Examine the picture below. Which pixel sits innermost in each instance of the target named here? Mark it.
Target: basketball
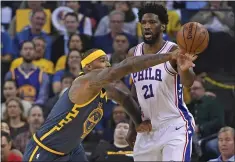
(192, 38)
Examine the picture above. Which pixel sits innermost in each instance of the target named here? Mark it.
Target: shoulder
(173, 46)
(131, 51)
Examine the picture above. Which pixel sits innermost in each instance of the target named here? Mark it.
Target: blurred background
(62, 30)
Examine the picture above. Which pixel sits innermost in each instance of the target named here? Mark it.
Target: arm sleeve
(44, 90)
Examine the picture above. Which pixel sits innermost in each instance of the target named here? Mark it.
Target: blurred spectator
(10, 90)
(105, 42)
(120, 48)
(35, 120)
(60, 46)
(130, 20)
(5, 127)
(31, 81)
(216, 20)
(6, 47)
(208, 114)
(73, 65)
(76, 42)
(38, 20)
(45, 65)
(6, 154)
(226, 145)
(118, 115)
(192, 5)
(33, 5)
(66, 82)
(84, 23)
(14, 116)
(118, 150)
(6, 53)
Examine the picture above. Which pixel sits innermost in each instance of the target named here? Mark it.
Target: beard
(153, 40)
(27, 60)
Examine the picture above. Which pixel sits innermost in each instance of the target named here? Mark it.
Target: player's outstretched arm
(129, 65)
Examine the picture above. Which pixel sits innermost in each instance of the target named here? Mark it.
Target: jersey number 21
(148, 91)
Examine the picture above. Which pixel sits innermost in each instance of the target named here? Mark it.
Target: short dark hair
(71, 14)
(156, 9)
(123, 121)
(38, 10)
(40, 38)
(27, 41)
(7, 135)
(67, 74)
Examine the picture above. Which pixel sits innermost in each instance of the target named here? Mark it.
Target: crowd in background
(40, 61)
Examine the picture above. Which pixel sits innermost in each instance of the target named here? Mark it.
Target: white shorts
(172, 142)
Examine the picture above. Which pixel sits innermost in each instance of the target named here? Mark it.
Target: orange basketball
(192, 38)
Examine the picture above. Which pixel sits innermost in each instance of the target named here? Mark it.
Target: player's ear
(88, 67)
(163, 27)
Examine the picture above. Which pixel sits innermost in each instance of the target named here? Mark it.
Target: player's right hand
(145, 126)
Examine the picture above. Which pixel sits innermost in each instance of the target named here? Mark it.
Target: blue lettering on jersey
(147, 74)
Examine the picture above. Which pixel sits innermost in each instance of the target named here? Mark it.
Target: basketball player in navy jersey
(80, 108)
(159, 93)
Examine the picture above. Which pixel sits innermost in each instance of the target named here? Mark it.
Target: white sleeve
(88, 26)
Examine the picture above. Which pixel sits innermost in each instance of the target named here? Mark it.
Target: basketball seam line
(193, 38)
(184, 39)
(201, 44)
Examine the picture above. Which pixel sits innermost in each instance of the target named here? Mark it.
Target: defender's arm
(186, 77)
(129, 65)
(124, 98)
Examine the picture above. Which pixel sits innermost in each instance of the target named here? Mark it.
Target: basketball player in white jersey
(159, 92)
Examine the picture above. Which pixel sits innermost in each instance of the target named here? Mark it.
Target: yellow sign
(23, 19)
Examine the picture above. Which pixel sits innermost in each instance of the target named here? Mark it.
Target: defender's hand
(185, 61)
(131, 137)
(145, 126)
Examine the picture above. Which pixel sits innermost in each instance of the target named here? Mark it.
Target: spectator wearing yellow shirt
(46, 65)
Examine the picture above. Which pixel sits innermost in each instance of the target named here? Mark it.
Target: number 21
(148, 91)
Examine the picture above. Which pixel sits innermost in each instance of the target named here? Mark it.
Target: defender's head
(153, 18)
(94, 59)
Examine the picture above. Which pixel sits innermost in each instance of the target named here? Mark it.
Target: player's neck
(154, 47)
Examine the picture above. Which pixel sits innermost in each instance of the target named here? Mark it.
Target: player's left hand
(145, 126)
(185, 61)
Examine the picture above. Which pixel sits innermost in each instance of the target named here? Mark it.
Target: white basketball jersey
(159, 91)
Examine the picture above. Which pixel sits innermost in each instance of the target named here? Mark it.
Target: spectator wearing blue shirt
(226, 145)
(6, 54)
(38, 20)
(116, 23)
(6, 47)
(32, 82)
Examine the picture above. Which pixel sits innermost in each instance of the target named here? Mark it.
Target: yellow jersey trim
(45, 147)
(34, 152)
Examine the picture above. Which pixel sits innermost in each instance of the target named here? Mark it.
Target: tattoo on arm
(129, 65)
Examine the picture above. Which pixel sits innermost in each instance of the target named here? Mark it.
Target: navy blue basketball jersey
(29, 84)
(68, 123)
